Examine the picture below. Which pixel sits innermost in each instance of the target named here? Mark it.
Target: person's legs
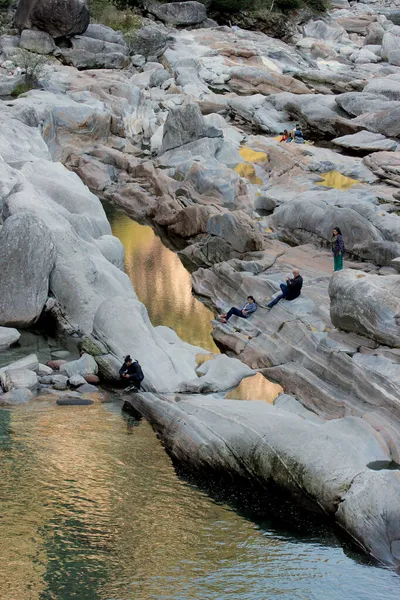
(234, 311)
(338, 262)
(133, 383)
(284, 289)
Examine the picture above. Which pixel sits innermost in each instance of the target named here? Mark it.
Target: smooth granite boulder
(316, 464)
(27, 256)
(57, 17)
(18, 378)
(238, 229)
(366, 141)
(85, 364)
(369, 232)
(150, 41)
(217, 375)
(123, 326)
(180, 13)
(16, 396)
(367, 304)
(37, 41)
(8, 337)
(186, 124)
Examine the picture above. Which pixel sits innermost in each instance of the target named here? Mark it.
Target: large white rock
(27, 255)
(366, 304)
(123, 325)
(8, 336)
(323, 465)
(366, 141)
(28, 362)
(18, 378)
(217, 375)
(85, 365)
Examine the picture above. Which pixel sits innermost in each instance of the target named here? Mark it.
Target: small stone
(60, 386)
(44, 370)
(46, 379)
(76, 381)
(16, 397)
(68, 401)
(55, 364)
(61, 354)
(89, 378)
(87, 388)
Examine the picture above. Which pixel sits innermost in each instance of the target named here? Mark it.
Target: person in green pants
(338, 249)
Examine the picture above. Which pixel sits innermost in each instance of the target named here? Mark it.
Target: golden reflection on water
(247, 170)
(162, 283)
(87, 507)
(336, 180)
(256, 387)
(92, 509)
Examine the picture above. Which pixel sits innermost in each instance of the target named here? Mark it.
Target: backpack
(139, 372)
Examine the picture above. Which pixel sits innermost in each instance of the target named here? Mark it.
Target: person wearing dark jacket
(247, 309)
(131, 372)
(338, 249)
(290, 290)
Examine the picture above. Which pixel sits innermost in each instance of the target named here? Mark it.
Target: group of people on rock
(291, 289)
(296, 135)
(131, 373)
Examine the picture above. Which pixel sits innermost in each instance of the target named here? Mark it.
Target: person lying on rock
(338, 249)
(290, 290)
(132, 373)
(247, 309)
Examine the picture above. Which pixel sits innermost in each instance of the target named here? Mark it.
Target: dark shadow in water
(269, 509)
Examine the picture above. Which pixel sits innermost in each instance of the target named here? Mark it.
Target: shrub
(32, 64)
(107, 13)
(21, 88)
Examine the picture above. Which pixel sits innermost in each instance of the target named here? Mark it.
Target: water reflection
(336, 180)
(256, 387)
(246, 169)
(162, 283)
(92, 509)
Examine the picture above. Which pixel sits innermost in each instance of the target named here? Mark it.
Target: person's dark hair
(298, 126)
(128, 359)
(338, 230)
(285, 131)
(251, 298)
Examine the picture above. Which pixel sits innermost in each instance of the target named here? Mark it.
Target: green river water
(92, 508)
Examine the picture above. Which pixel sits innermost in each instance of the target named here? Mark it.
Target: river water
(92, 508)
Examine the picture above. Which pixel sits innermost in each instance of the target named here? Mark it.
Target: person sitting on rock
(338, 249)
(132, 373)
(290, 290)
(285, 135)
(247, 309)
(297, 135)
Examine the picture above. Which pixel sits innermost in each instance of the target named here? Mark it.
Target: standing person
(132, 373)
(247, 309)
(338, 249)
(290, 290)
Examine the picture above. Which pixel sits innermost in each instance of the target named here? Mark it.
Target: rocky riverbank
(180, 130)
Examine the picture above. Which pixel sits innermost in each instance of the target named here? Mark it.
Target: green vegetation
(235, 6)
(113, 14)
(20, 89)
(32, 64)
